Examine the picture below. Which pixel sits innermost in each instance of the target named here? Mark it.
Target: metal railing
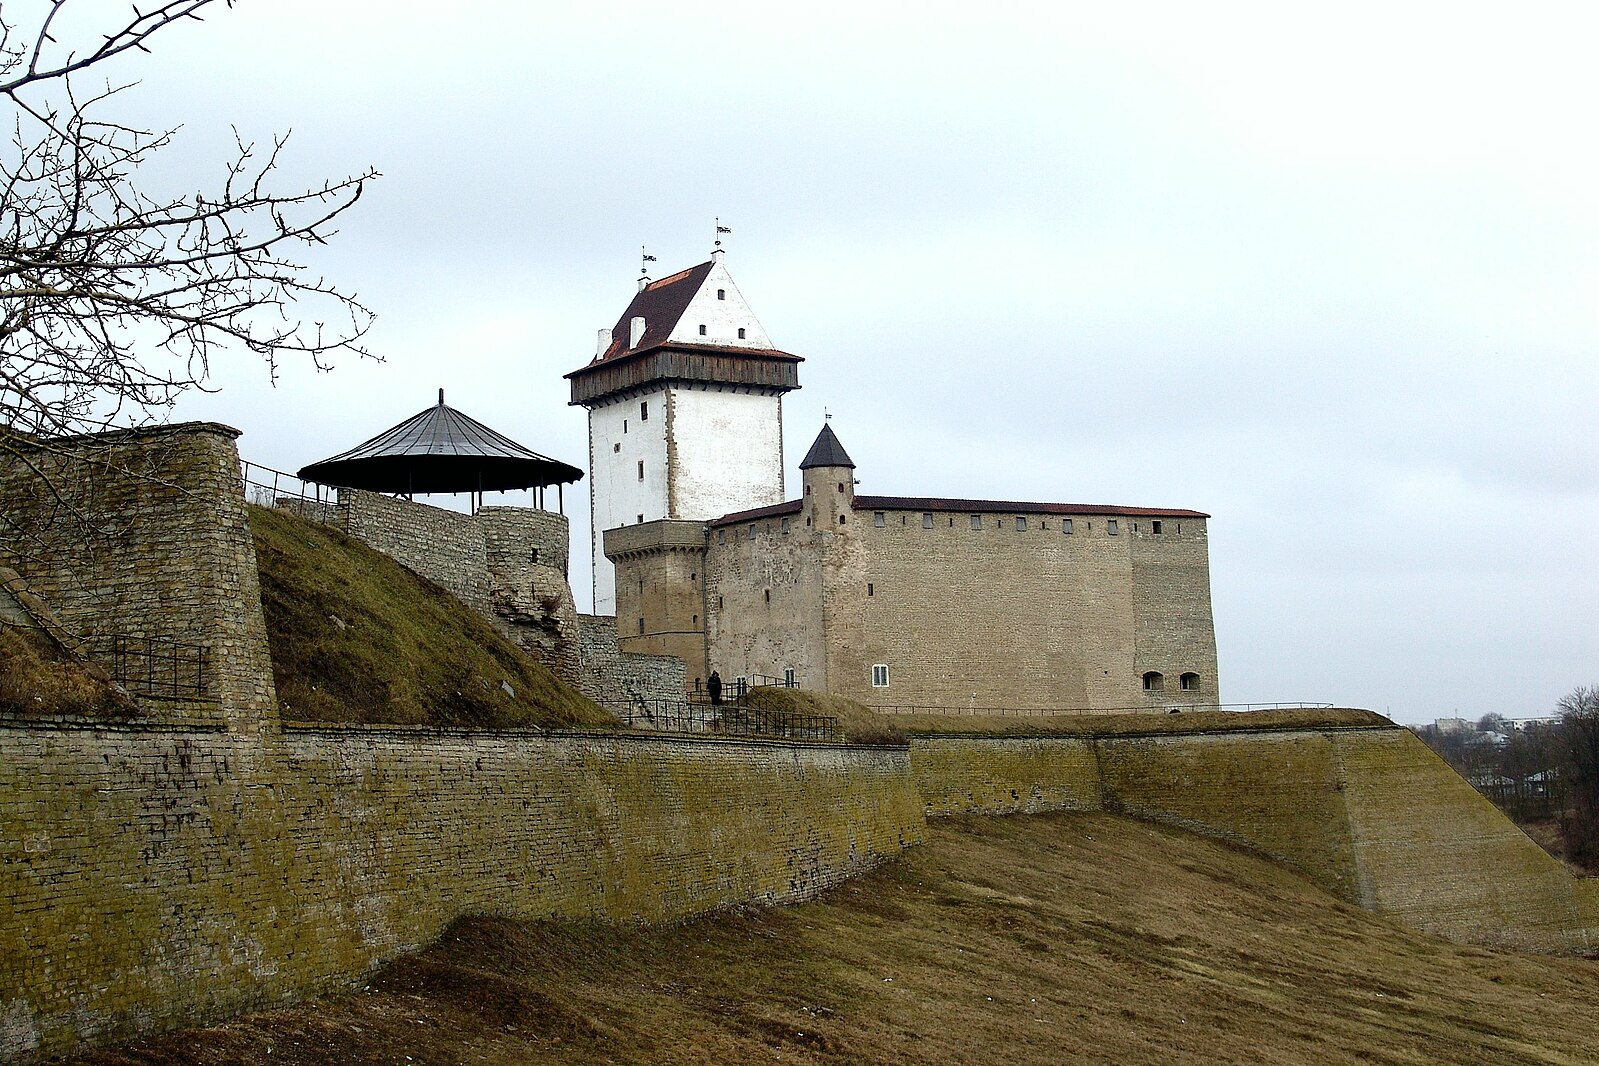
(965, 710)
(727, 719)
(267, 487)
(154, 666)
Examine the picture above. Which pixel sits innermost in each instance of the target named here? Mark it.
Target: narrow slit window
(644, 411)
(641, 470)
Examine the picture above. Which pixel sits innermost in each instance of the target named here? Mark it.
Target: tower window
(1065, 525)
(696, 621)
(616, 447)
(1153, 681)
(1111, 527)
(741, 333)
(977, 521)
(880, 675)
(788, 678)
(721, 294)
(752, 531)
(927, 520)
(869, 589)
(624, 425)
(641, 470)
(785, 525)
(878, 519)
(641, 626)
(1021, 522)
(641, 520)
(1155, 527)
(644, 411)
(768, 595)
(721, 536)
(702, 329)
(1189, 681)
(840, 519)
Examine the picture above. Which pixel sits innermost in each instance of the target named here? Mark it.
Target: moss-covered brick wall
(1369, 813)
(152, 876)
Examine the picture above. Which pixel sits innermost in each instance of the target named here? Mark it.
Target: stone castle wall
(143, 533)
(1371, 815)
(1014, 612)
(157, 876)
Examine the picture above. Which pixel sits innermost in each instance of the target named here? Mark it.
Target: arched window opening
(1189, 681)
(1154, 681)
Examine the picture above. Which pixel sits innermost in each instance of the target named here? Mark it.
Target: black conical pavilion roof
(827, 451)
(440, 450)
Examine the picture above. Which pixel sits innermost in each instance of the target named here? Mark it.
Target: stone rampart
(155, 876)
(1370, 814)
(143, 534)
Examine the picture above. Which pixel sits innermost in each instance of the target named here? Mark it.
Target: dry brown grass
(1044, 939)
(39, 681)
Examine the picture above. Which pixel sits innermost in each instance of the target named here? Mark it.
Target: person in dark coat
(714, 686)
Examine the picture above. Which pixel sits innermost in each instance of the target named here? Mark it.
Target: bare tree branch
(114, 299)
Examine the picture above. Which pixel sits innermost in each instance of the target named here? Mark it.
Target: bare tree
(1579, 748)
(113, 297)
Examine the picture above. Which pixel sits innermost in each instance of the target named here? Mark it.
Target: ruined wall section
(617, 679)
(143, 533)
(1173, 632)
(148, 879)
(526, 551)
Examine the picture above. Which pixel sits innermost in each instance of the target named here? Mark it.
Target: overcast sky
(1330, 278)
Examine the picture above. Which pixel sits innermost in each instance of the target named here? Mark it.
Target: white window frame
(879, 675)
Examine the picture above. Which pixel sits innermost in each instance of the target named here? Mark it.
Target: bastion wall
(1370, 814)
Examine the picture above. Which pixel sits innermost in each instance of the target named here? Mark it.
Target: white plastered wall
(618, 441)
(722, 318)
(728, 452)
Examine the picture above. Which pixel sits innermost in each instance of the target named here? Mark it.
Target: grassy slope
(1041, 939)
(407, 651)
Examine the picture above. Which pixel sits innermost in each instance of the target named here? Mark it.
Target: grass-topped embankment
(861, 724)
(39, 681)
(356, 637)
(1046, 939)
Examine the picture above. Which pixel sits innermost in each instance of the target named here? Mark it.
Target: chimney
(643, 282)
(635, 331)
(604, 343)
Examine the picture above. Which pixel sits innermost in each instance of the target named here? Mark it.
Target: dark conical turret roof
(440, 450)
(827, 451)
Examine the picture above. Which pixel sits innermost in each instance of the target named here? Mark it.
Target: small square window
(721, 294)
(879, 519)
(977, 521)
(641, 520)
(880, 675)
(927, 520)
(1111, 527)
(741, 333)
(1065, 525)
(1021, 522)
(1154, 527)
(702, 331)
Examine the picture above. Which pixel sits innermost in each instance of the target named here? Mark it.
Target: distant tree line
(1537, 771)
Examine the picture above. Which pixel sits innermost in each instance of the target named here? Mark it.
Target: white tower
(685, 402)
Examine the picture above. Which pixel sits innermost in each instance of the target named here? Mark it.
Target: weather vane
(720, 229)
(646, 258)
